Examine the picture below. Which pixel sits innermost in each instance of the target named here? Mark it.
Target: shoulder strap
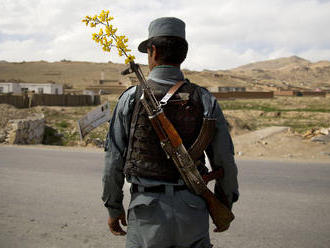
(171, 92)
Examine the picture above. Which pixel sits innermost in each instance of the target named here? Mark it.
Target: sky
(221, 34)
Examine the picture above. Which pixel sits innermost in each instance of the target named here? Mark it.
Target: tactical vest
(145, 157)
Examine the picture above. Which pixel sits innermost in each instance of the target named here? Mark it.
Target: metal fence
(246, 95)
(25, 101)
(17, 101)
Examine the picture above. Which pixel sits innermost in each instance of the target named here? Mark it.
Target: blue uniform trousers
(174, 219)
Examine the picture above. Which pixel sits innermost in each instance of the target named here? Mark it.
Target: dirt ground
(284, 146)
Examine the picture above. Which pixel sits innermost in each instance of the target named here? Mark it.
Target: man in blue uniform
(163, 213)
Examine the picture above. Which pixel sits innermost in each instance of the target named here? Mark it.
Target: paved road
(51, 198)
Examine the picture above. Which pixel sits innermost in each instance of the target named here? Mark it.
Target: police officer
(163, 213)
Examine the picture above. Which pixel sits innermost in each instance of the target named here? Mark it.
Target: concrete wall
(247, 95)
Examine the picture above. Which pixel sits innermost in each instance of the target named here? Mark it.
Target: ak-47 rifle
(171, 143)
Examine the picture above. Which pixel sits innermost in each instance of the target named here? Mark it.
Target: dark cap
(164, 26)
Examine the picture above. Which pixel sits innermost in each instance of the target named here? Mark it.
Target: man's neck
(162, 65)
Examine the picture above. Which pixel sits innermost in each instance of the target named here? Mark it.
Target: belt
(156, 189)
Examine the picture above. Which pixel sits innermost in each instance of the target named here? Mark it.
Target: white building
(8, 87)
(16, 88)
(226, 89)
(56, 89)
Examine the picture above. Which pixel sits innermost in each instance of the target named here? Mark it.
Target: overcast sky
(221, 34)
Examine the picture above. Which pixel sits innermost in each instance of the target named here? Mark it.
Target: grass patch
(62, 124)
(280, 104)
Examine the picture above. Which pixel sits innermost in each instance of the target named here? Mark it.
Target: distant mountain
(287, 73)
(275, 64)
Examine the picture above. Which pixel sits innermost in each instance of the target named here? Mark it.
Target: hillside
(291, 72)
(275, 64)
(283, 73)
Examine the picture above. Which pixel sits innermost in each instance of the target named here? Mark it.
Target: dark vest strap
(137, 106)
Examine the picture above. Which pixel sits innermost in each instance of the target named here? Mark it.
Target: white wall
(59, 88)
(5, 88)
(16, 88)
(46, 88)
(8, 87)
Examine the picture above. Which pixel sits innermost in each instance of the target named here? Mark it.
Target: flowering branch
(108, 38)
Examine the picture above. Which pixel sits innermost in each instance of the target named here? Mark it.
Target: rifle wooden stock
(219, 213)
(159, 131)
(213, 175)
(169, 129)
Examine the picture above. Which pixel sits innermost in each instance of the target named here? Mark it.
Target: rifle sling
(171, 92)
(204, 138)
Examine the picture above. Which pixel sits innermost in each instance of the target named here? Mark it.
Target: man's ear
(154, 54)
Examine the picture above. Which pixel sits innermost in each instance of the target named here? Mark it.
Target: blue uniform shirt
(118, 135)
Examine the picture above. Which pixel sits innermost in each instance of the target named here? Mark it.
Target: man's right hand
(114, 225)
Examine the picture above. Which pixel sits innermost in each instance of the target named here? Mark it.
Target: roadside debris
(321, 135)
(325, 139)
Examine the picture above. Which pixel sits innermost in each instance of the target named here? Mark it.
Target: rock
(324, 131)
(26, 131)
(325, 139)
(263, 142)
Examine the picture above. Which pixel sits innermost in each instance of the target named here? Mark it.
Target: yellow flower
(105, 41)
(129, 59)
(107, 38)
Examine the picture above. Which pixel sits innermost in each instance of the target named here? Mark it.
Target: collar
(166, 74)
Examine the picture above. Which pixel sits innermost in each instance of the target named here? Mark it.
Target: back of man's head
(170, 49)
